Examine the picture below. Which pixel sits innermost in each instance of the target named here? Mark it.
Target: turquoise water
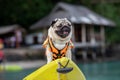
(92, 71)
(101, 71)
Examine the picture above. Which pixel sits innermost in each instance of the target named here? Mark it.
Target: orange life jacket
(57, 53)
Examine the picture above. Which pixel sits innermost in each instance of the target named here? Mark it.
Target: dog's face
(62, 27)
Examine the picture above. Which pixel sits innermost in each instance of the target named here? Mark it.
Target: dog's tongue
(65, 32)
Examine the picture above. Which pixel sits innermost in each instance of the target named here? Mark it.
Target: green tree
(112, 12)
(27, 12)
(23, 12)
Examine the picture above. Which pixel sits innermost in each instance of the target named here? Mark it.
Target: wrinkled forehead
(63, 22)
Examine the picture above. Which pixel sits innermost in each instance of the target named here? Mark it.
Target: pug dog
(58, 43)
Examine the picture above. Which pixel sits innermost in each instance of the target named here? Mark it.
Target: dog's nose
(66, 28)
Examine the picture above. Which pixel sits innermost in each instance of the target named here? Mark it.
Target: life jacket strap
(57, 53)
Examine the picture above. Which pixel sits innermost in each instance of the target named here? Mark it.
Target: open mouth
(63, 32)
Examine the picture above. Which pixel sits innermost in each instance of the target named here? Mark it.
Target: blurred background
(96, 29)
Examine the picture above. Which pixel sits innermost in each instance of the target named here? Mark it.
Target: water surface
(92, 71)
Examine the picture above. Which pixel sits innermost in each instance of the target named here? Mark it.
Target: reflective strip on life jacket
(57, 53)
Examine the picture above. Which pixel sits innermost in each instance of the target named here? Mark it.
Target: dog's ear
(54, 21)
(67, 19)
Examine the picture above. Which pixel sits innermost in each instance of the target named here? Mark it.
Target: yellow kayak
(60, 69)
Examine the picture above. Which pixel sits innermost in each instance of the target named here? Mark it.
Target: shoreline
(20, 65)
(28, 64)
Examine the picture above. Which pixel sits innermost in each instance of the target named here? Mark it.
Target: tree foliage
(23, 12)
(27, 12)
(111, 11)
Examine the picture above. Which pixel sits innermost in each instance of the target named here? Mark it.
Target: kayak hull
(49, 71)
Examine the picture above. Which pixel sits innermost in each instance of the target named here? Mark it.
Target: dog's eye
(69, 24)
(59, 26)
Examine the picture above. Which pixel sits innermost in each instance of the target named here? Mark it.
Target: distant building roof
(9, 28)
(75, 13)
